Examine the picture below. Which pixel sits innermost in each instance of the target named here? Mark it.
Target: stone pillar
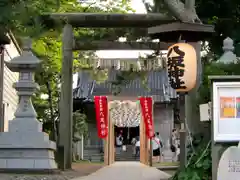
(25, 146)
(183, 132)
(66, 101)
(183, 148)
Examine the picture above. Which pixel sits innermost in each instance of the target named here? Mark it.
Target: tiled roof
(157, 83)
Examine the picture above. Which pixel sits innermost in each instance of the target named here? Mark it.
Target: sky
(138, 6)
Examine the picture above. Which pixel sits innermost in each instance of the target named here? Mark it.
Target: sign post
(182, 73)
(225, 127)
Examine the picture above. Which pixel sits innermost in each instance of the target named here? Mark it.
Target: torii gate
(171, 32)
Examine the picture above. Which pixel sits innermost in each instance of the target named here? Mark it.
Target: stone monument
(229, 164)
(25, 146)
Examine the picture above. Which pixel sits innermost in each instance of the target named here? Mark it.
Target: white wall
(163, 122)
(10, 98)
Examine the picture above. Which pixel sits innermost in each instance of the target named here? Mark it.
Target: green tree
(22, 18)
(80, 127)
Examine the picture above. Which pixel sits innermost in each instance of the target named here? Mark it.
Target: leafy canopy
(22, 18)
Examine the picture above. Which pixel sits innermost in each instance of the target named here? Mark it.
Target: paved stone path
(79, 170)
(127, 170)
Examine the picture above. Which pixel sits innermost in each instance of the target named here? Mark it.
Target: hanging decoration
(146, 104)
(133, 64)
(101, 109)
(182, 67)
(124, 113)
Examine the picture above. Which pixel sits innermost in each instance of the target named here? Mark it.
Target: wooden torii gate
(70, 44)
(183, 12)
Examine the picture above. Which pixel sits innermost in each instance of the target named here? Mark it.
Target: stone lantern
(25, 146)
(228, 56)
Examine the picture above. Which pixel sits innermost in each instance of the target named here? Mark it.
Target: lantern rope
(125, 113)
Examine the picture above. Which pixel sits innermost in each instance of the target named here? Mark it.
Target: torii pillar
(66, 101)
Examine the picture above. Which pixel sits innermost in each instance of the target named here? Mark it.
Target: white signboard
(226, 111)
(229, 165)
(205, 111)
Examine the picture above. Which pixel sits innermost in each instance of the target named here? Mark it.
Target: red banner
(147, 114)
(101, 109)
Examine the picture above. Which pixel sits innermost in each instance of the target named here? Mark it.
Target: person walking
(119, 143)
(161, 144)
(137, 147)
(156, 149)
(133, 142)
(174, 145)
(160, 139)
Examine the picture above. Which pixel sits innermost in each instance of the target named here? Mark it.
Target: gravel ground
(79, 170)
(33, 177)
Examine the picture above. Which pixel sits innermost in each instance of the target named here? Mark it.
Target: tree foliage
(80, 127)
(225, 16)
(199, 161)
(211, 69)
(22, 18)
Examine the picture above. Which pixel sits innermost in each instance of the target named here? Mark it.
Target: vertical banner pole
(111, 141)
(106, 143)
(150, 140)
(142, 141)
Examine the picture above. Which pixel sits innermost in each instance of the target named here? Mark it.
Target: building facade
(10, 97)
(159, 89)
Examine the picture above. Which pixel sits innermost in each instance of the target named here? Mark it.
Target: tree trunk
(53, 134)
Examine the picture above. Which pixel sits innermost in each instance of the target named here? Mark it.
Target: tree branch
(179, 10)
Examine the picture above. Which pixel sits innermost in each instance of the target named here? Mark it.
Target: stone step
(90, 154)
(93, 154)
(127, 159)
(94, 157)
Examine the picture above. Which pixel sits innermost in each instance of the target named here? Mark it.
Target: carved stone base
(28, 149)
(32, 159)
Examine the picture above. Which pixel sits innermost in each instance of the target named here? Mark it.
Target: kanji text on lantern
(176, 67)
